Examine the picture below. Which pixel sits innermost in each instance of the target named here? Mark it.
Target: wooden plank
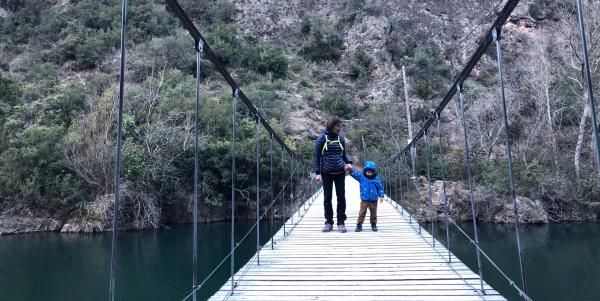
(348, 297)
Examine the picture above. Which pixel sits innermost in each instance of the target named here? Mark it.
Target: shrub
(322, 41)
(147, 20)
(90, 52)
(264, 58)
(339, 104)
(246, 51)
(424, 89)
(210, 11)
(360, 65)
(429, 72)
(9, 94)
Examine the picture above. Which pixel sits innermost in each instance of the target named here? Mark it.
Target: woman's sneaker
(358, 228)
(342, 228)
(327, 227)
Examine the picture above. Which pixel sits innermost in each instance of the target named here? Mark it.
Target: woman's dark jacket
(330, 154)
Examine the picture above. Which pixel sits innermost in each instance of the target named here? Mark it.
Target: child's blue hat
(371, 165)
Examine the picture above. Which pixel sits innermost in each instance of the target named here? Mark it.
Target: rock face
(80, 226)
(22, 224)
(497, 209)
(489, 207)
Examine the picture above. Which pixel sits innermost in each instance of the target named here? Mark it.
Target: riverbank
(490, 208)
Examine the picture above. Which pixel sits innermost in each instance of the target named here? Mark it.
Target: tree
(572, 68)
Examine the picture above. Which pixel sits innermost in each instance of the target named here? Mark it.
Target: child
(370, 190)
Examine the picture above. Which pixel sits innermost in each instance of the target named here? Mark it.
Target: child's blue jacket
(370, 189)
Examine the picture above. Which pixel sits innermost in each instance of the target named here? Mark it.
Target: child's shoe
(374, 227)
(358, 228)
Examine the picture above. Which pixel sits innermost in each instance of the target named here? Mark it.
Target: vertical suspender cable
(257, 190)
(391, 178)
(413, 156)
(115, 221)
(402, 196)
(469, 176)
(442, 172)
(508, 148)
(588, 79)
(196, 158)
(291, 206)
(381, 176)
(298, 184)
(303, 177)
(396, 169)
(272, 185)
(429, 191)
(387, 180)
(408, 190)
(282, 206)
(233, 173)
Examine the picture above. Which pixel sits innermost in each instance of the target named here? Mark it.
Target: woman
(330, 166)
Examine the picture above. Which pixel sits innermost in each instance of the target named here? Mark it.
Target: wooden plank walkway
(395, 263)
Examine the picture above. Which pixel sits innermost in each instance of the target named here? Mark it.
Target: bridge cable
(257, 117)
(282, 213)
(272, 185)
(289, 204)
(220, 67)
(400, 189)
(472, 241)
(464, 74)
(278, 196)
(413, 157)
(233, 174)
(405, 169)
(443, 176)
(588, 79)
(508, 149)
(408, 184)
(470, 181)
(429, 191)
(196, 158)
(118, 159)
(397, 172)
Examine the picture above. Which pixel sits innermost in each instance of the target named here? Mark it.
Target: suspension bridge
(400, 262)
(394, 263)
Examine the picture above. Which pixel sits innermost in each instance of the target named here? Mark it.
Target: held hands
(348, 167)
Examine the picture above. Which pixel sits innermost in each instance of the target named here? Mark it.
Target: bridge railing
(293, 192)
(396, 169)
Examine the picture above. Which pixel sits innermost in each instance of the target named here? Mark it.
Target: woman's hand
(318, 178)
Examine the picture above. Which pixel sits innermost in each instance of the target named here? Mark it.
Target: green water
(151, 265)
(562, 262)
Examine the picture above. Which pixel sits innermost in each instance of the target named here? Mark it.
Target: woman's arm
(317, 156)
(344, 153)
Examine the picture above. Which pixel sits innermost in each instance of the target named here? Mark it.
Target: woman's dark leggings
(328, 181)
